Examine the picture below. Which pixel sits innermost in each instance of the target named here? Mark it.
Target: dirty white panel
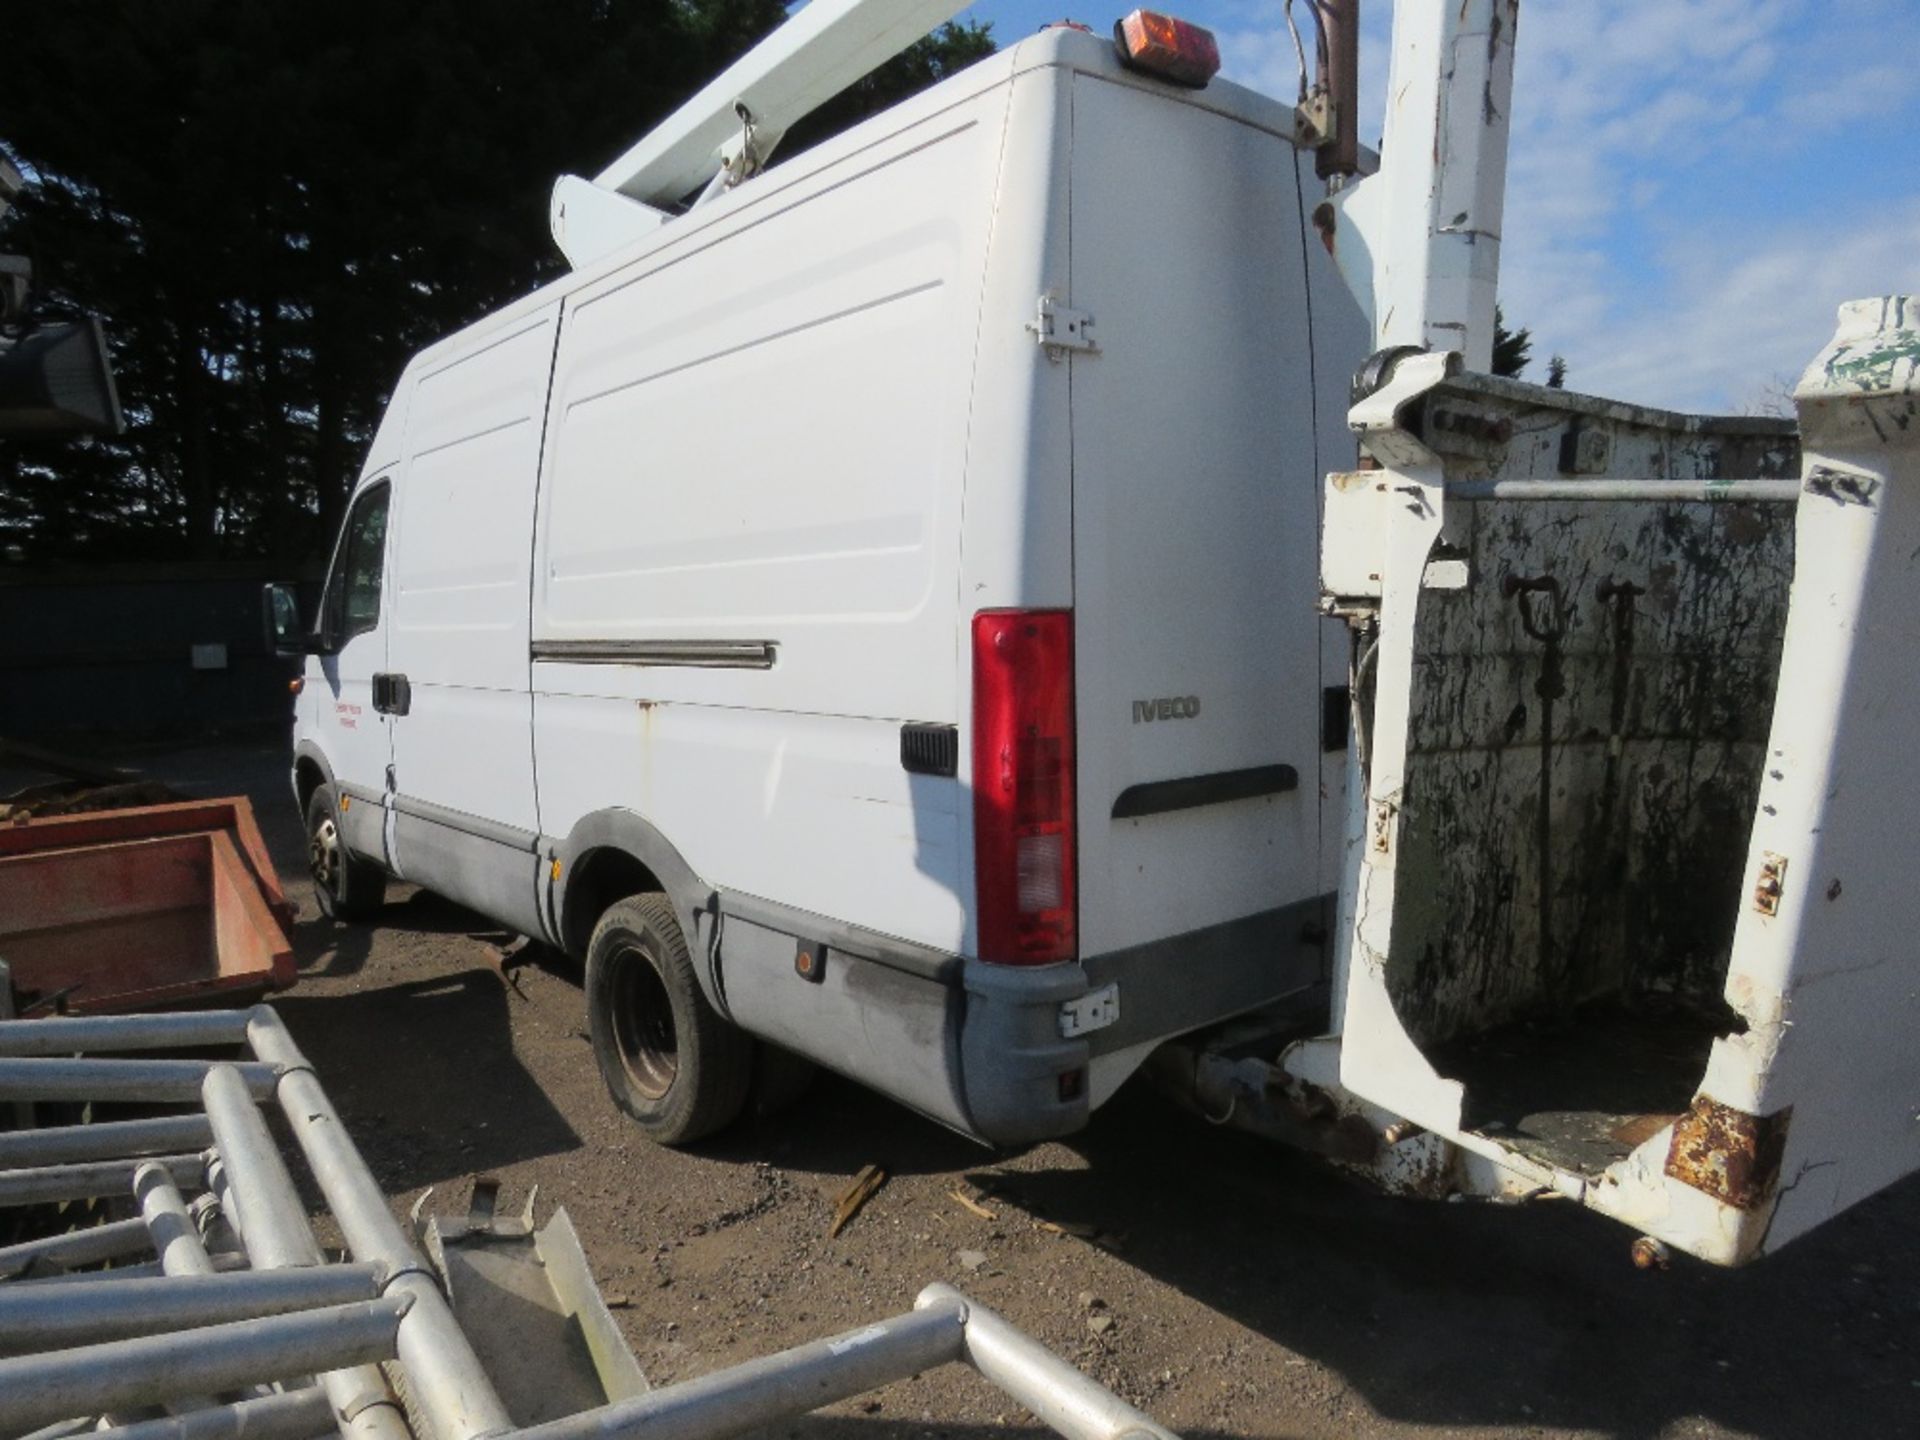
(1589, 715)
(815, 813)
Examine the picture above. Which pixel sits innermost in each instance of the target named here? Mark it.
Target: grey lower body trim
(487, 866)
(1779, 492)
(974, 1047)
(363, 824)
(1012, 1057)
(978, 1047)
(890, 1028)
(1171, 986)
(700, 654)
(500, 880)
(922, 960)
(510, 836)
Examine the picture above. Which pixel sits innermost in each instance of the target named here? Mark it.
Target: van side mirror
(280, 620)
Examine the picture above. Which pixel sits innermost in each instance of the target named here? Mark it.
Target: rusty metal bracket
(1727, 1153)
(1772, 883)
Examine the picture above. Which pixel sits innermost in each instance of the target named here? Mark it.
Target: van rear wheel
(669, 1060)
(346, 886)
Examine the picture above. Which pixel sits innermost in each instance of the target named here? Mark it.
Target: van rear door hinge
(1059, 328)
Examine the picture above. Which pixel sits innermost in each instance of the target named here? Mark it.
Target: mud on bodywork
(1627, 745)
(1588, 711)
(1588, 730)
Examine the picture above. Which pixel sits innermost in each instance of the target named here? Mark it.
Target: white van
(874, 615)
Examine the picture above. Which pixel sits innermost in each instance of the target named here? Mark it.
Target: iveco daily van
(873, 616)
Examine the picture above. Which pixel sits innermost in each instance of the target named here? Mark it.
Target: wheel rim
(323, 855)
(643, 1023)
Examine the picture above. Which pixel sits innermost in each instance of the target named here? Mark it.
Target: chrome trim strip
(700, 654)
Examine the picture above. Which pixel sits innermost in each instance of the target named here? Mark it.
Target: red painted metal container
(142, 909)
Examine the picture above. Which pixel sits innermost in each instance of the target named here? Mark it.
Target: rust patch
(1325, 1129)
(1771, 884)
(1727, 1153)
(1383, 827)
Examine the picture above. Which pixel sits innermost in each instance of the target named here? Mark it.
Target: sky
(1694, 185)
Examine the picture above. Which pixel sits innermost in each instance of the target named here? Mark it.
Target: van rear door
(1198, 645)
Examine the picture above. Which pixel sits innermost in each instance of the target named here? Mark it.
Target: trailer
(151, 907)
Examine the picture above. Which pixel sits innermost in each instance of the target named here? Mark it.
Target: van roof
(1057, 47)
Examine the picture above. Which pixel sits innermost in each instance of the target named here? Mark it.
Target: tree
(273, 206)
(926, 62)
(1512, 349)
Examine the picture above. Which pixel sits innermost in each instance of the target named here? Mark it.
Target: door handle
(392, 694)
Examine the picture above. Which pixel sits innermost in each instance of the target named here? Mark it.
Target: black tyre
(347, 886)
(668, 1058)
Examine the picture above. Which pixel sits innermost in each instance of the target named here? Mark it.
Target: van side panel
(817, 815)
(757, 436)
(460, 569)
(463, 780)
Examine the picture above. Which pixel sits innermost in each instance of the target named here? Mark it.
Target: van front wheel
(346, 886)
(669, 1059)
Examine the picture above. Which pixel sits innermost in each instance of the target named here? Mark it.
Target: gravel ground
(1229, 1287)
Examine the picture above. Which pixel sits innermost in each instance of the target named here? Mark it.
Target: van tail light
(1175, 50)
(1023, 816)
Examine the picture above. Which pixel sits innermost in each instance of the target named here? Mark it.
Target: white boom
(1419, 242)
(726, 132)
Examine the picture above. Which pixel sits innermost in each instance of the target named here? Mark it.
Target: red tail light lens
(1023, 818)
(1175, 50)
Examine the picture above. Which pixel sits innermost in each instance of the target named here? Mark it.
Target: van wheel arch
(596, 882)
(310, 772)
(611, 855)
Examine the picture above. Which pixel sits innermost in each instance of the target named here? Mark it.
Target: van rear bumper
(979, 1047)
(1169, 987)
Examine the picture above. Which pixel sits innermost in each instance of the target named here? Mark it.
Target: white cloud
(1263, 59)
(1641, 130)
(1751, 310)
